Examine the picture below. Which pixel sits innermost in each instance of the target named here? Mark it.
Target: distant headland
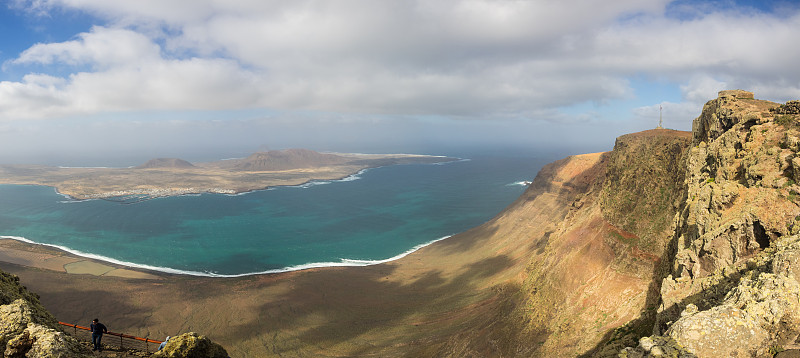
(172, 176)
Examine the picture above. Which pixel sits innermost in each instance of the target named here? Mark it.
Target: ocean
(374, 216)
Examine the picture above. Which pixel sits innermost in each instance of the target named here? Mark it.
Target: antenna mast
(659, 118)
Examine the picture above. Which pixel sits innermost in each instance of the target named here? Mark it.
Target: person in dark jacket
(97, 329)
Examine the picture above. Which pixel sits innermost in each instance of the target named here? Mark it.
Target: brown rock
(190, 345)
(789, 353)
(791, 107)
(22, 337)
(720, 332)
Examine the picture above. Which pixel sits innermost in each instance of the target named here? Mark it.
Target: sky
(100, 82)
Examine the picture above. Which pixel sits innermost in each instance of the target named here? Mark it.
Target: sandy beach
(44, 257)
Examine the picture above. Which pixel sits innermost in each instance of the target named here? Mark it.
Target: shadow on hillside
(645, 325)
(328, 308)
(467, 240)
(629, 334)
(95, 303)
(711, 296)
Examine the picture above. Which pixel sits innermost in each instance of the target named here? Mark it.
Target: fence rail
(125, 341)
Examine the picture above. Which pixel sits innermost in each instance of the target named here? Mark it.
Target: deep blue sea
(377, 215)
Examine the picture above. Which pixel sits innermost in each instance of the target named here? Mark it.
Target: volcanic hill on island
(672, 244)
(165, 163)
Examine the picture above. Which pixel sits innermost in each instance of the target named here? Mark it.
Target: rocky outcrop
(739, 198)
(791, 107)
(27, 329)
(756, 318)
(732, 289)
(190, 345)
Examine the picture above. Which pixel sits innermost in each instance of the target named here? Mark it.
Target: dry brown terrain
(171, 176)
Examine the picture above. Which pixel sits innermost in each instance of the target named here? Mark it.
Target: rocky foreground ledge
(758, 317)
(27, 329)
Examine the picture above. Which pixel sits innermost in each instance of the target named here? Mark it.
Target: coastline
(17, 256)
(394, 308)
(24, 252)
(29, 253)
(214, 181)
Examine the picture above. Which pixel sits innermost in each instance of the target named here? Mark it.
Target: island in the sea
(172, 176)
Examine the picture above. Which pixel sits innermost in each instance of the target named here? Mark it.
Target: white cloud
(102, 47)
(36, 95)
(475, 58)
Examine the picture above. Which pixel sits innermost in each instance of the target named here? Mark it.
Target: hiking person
(164, 343)
(97, 329)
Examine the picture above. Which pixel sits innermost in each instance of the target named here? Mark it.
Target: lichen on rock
(29, 330)
(656, 346)
(733, 289)
(760, 313)
(191, 345)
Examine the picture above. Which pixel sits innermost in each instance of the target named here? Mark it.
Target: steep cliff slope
(732, 288)
(594, 271)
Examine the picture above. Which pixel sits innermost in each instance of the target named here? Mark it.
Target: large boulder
(757, 317)
(39, 341)
(722, 331)
(22, 336)
(11, 290)
(190, 345)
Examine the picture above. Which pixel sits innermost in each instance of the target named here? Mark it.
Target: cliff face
(686, 239)
(740, 199)
(732, 288)
(594, 269)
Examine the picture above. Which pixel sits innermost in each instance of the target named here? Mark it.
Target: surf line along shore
(17, 251)
(21, 251)
(87, 262)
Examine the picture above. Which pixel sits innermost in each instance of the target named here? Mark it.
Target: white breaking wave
(340, 263)
(350, 177)
(459, 160)
(522, 183)
(63, 167)
(400, 256)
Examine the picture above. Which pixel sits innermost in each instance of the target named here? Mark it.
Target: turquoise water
(373, 216)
